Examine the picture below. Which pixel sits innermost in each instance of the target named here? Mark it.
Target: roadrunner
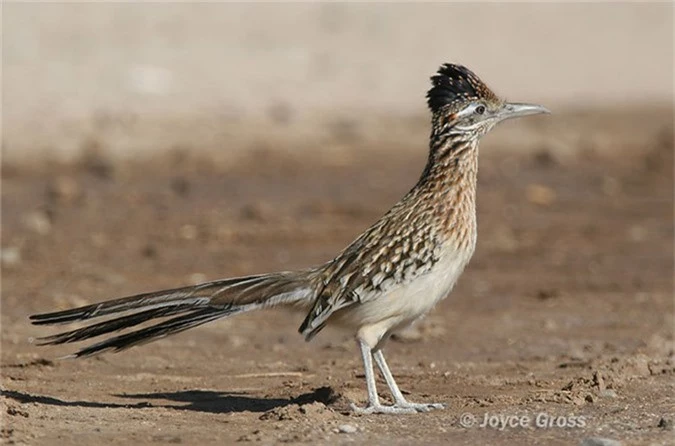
(390, 276)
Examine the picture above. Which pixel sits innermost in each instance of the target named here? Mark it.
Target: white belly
(403, 304)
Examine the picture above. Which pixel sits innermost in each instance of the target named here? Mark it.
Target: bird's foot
(396, 409)
(379, 408)
(421, 407)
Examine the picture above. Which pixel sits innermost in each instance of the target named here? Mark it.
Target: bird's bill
(516, 110)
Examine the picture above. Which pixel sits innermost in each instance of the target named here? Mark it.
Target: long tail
(190, 306)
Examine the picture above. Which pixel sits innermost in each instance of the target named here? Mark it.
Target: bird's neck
(452, 168)
(448, 187)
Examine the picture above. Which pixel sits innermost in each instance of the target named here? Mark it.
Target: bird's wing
(387, 255)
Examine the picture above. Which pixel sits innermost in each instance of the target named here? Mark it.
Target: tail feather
(154, 332)
(188, 307)
(156, 299)
(109, 326)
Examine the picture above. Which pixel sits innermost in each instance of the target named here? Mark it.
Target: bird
(391, 275)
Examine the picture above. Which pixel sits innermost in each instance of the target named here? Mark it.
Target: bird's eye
(480, 110)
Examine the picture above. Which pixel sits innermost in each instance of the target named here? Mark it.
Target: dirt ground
(561, 325)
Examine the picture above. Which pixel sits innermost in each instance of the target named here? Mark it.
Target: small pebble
(10, 256)
(188, 232)
(38, 221)
(347, 429)
(64, 189)
(599, 441)
(638, 233)
(540, 195)
(666, 424)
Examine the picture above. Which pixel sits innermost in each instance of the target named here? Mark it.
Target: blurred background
(140, 75)
(149, 146)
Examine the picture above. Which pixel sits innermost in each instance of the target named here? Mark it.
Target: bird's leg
(396, 392)
(374, 405)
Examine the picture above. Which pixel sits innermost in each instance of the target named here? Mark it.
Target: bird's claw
(396, 409)
(422, 407)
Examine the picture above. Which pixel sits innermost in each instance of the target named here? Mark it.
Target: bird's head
(464, 106)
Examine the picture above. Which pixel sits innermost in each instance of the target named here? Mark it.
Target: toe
(362, 410)
(436, 406)
(380, 409)
(424, 407)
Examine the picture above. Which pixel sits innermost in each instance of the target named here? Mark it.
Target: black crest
(454, 84)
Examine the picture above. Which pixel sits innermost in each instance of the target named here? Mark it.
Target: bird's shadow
(208, 401)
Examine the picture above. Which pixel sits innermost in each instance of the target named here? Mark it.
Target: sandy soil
(565, 313)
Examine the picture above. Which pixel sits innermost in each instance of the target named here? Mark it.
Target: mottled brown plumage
(390, 276)
(406, 242)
